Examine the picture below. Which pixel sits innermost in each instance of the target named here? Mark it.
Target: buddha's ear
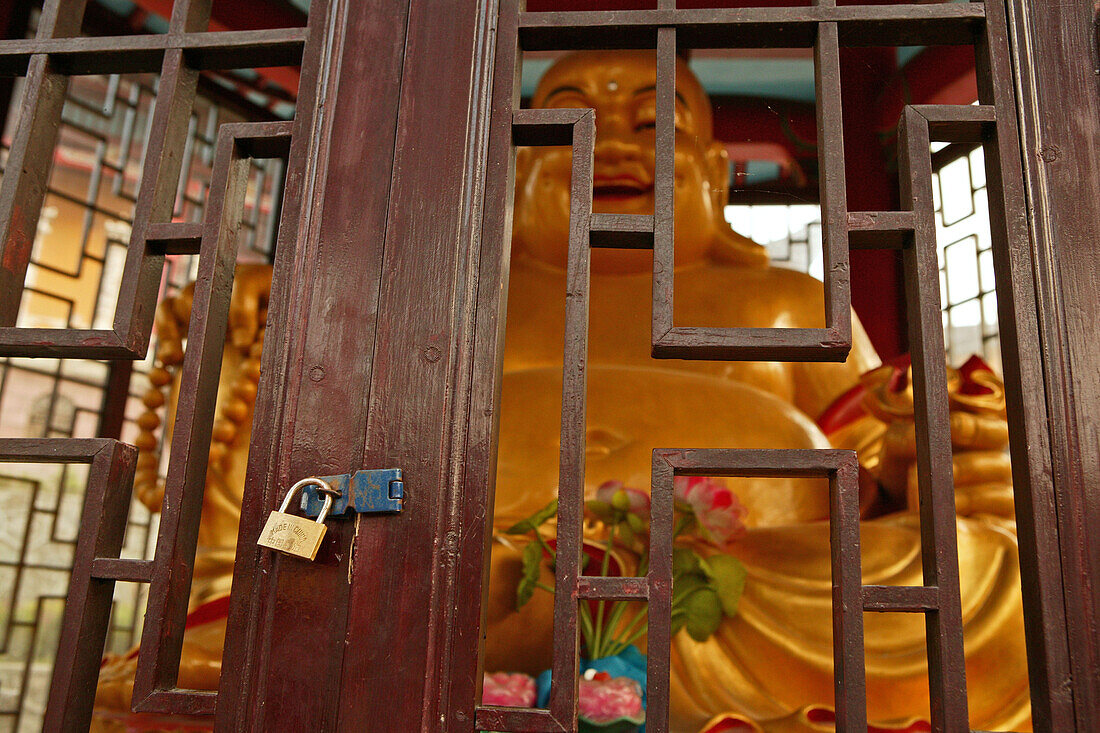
(728, 246)
(523, 164)
(718, 175)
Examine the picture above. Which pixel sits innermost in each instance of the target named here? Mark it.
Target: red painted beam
(878, 294)
(246, 15)
(938, 75)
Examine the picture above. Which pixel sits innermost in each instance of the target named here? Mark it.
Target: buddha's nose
(611, 150)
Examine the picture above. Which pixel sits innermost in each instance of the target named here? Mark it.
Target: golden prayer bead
(149, 420)
(153, 399)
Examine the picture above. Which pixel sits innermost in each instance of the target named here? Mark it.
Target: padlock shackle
(324, 488)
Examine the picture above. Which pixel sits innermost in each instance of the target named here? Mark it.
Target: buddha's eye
(567, 101)
(643, 125)
(647, 120)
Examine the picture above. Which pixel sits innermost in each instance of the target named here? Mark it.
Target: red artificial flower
(717, 510)
(508, 689)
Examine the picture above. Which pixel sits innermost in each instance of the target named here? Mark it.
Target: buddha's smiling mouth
(619, 188)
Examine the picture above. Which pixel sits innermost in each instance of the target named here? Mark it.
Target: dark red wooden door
(389, 308)
(376, 303)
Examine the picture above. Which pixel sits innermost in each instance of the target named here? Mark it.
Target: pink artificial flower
(717, 510)
(512, 690)
(638, 499)
(603, 699)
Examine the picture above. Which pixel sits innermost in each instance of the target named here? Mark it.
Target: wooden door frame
(421, 345)
(1056, 60)
(371, 367)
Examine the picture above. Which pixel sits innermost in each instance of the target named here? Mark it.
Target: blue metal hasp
(378, 491)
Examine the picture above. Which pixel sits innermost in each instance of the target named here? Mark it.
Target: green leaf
(636, 523)
(728, 575)
(704, 614)
(684, 586)
(678, 621)
(532, 559)
(534, 521)
(684, 562)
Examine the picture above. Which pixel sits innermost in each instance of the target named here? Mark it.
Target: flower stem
(619, 646)
(586, 625)
(545, 547)
(604, 567)
(617, 609)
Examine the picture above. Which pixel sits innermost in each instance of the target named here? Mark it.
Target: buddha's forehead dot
(612, 85)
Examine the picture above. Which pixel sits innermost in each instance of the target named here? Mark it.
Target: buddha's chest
(619, 326)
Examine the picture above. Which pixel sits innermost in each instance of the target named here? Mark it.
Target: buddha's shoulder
(765, 290)
(774, 277)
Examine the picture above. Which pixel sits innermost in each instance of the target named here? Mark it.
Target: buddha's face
(619, 86)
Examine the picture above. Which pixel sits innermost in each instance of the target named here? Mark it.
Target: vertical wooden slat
(116, 393)
(659, 610)
(162, 637)
(60, 19)
(939, 556)
(1037, 518)
(1052, 45)
(160, 172)
(89, 601)
(27, 171)
(155, 199)
(832, 183)
(417, 342)
(849, 665)
(664, 185)
(563, 692)
(23, 187)
(477, 496)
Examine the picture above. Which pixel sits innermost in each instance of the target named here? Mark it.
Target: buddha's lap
(776, 655)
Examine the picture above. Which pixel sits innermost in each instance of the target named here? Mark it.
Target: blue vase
(628, 663)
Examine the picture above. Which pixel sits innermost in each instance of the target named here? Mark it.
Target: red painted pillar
(877, 287)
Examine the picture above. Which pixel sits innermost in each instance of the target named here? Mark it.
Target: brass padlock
(293, 535)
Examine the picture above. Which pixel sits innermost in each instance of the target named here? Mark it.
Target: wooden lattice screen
(179, 56)
(826, 28)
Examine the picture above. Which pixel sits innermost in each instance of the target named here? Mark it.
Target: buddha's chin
(639, 203)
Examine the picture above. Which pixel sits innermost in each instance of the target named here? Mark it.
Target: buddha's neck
(640, 264)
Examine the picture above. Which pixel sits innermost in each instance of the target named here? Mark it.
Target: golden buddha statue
(769, 667)
(773, 660)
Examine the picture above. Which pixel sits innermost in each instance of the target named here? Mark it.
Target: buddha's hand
(979, 437)
(248, 307)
